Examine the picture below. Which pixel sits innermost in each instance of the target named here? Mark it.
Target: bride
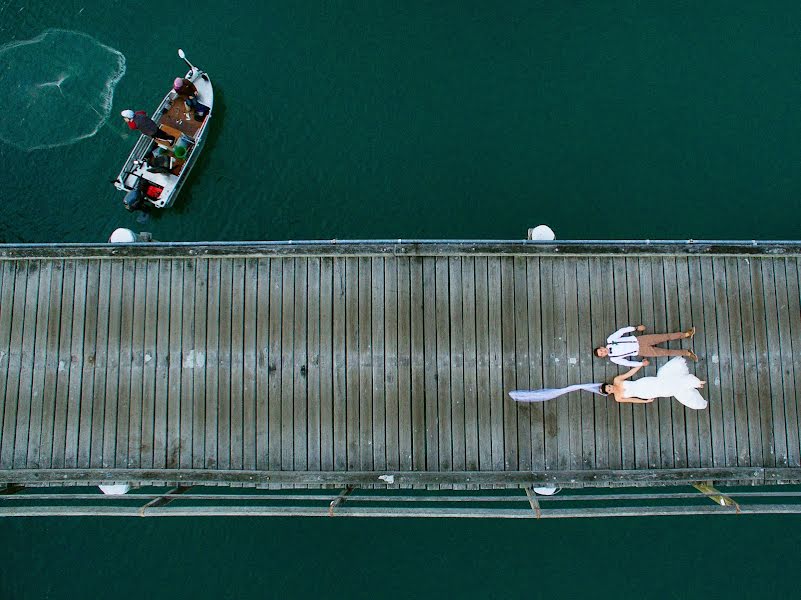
(672, 379)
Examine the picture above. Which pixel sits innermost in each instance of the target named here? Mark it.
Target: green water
(434, 120)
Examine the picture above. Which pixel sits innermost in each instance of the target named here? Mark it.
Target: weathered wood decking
(336, 363)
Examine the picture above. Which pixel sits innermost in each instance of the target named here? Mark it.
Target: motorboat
(156, 170)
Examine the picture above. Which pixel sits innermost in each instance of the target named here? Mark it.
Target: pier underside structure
(372, 378)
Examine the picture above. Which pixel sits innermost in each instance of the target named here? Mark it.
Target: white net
(56, 89)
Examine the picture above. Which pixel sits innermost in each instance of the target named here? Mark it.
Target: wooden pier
(386, 365)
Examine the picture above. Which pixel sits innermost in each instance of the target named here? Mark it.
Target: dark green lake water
(440, 119)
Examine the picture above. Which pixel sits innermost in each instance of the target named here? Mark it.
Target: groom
(620, 346)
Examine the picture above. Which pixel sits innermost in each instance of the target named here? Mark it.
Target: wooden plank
(115, 404)
(43, 455)
(794, 313)
(457, 364)
(262, 363)
(391, 389)
(188, 358)
(470, 353)
(48, 277)
(250, 366)
(417, 364)
(738, 372)
(429, 338)
(626, 458)
(365, 366)
(724, 352)
(441, 294)
(24, 367)
(611, 431)
(681, 316)
(485, 429)
(313, 443)
(352, 362)
(602, 326)
(236, 441)
(200, 363)
(141, 324)
(674, 323)
(275, 366)
(377, 324)
(660, 325)
(124, 382)
(770, 444)
(212, 371)
(74, 358)
(6, 320)
(90, 340)
(225, 359)
(288, 364)
(572, 364)
(173, 366)
(236, 410)
(559, 316)
(785, 352)
(299, 417)
(635, 302)
(549, 354)
(773, 354)
(508, 363)
(752, 373)
(535, 355)
(713, 387)
(497, 394)
(98, 360)
(339, 364)
(162, 359)
(571, 479)
(697, 312)
(652, 409)
(406, 423)
(149, 359)
(328, 378)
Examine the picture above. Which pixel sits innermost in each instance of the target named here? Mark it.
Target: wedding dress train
(672, 379)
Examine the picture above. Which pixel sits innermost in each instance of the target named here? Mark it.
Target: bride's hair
(603, 388)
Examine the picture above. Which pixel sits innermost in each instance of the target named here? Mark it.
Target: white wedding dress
(673, 379)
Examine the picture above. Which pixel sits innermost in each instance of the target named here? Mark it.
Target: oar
(186, 60)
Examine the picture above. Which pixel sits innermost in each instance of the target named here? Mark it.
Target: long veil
(549, 393)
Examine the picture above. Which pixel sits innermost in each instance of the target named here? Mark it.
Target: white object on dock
(115, 490)
(541, 233)
(122, 236)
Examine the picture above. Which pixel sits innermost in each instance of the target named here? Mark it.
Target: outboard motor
(133, 200)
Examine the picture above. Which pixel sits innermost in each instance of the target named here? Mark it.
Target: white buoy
(545, 491)
(541, 233)
(122, 236)
(115, 490)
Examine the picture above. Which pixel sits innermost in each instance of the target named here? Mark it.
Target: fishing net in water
(56, 89)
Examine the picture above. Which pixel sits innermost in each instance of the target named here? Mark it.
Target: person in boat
(184, 87)
(620, 346)
(187, 90)
(139, 120)
(672, 379)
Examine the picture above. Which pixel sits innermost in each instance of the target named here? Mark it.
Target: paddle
(183, 56)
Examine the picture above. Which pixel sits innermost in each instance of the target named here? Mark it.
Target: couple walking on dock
(672, 379)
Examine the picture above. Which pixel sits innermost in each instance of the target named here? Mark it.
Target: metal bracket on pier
(535, 504)
(717, 497)
(339, 500)
(165, 499)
